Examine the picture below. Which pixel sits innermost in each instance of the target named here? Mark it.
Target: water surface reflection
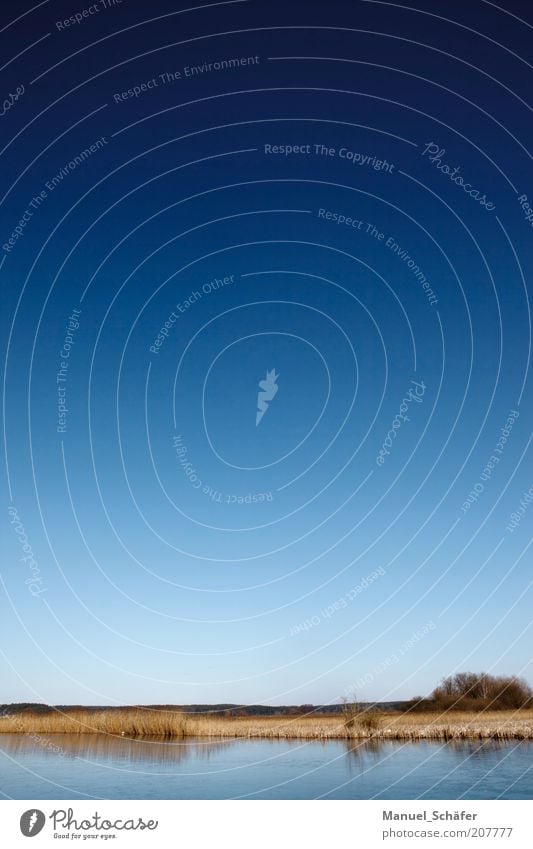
(61, 766)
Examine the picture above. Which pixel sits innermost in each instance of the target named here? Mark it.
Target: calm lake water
(100, 768)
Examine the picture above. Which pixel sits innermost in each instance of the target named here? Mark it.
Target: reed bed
(510, 725)
(126, 722)
(136, 722)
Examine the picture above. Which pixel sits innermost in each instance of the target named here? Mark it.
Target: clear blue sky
(179, 552)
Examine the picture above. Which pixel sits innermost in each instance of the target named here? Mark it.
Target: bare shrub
(370, 721)
(479, 691)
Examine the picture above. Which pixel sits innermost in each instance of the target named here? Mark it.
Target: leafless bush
(359, 717)
(478, 691)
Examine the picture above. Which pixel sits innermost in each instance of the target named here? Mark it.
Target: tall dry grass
(129, 722)
(138, 722)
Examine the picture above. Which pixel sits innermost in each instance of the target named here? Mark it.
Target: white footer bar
(266, 824)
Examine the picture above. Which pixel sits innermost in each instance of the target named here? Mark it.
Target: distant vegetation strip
(233, 710)
(465, 705)
(133, 723)
(470, 691)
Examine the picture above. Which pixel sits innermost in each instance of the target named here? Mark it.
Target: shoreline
(134, 723)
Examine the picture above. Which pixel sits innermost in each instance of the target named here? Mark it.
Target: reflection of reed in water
(363, 753)
(102, 747)
(375, 748)
(485, 748)
(361, 748)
